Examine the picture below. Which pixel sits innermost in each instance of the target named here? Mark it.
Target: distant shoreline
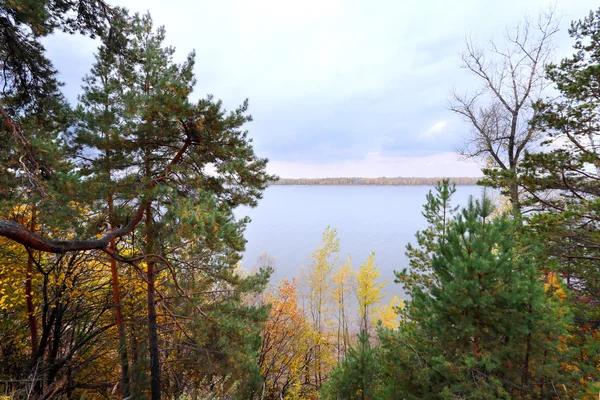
(398, 181)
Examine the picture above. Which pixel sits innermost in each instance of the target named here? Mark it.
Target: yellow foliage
(318, 278)
(368, 291)
(342, 280)
(318, 296)
(285, 344)
(387, 314)
(553, 286)
(343, 285)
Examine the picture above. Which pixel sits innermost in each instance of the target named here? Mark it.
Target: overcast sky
(336, 88)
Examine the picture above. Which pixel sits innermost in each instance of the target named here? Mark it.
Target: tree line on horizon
(382, 181)
(120, 249)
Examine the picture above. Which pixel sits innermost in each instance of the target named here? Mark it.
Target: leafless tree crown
(511, 73)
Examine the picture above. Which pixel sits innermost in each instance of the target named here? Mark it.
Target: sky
(336, 88)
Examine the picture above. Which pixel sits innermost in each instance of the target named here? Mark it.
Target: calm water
(289, 221)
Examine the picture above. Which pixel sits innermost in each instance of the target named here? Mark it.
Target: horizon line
(387, 177)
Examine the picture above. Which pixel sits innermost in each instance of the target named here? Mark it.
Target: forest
(374, 181)
(120, 251)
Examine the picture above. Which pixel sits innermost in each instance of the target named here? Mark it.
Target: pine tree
(563, 181)
(404, 362)
(29, 80)
(357, 376)
(142, 150)
(438, 212)
(153, 146)
(487, 324)
(101, 131)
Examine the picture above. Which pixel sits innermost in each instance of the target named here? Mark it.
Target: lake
(288, 222)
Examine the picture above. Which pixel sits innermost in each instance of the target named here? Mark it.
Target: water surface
(288, 223)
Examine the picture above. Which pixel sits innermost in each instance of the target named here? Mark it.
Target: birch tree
(318, 304)
(343, 281)
(368, 291)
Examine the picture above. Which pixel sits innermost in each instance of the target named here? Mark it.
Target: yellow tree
(368, 291)
(284, 348)
(343, 281)
(388, 313)
(318, 306)
(67, 300)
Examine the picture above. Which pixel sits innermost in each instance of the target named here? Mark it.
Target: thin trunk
(513, 163)
(125, 385)
(476, 347)
(118, 311)
(135, 362)
(33, 329)
(318, 359)
(120, 326)
(153, 336)
(444, 222)
(56, 343)
(514, 198)
(339, 331)
(525, 378)
(344, 324)
(155, 385)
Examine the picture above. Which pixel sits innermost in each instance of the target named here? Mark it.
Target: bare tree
(511, 74)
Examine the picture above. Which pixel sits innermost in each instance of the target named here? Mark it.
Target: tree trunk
(125, 386)
(120, 326)
(155, 384)
(118, 311)
(514, 199)
(525, 377)
(33, 329)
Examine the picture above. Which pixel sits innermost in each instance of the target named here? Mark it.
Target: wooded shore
(398, 181)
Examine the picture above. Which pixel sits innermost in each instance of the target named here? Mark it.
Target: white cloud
(436, 128)
(369, 74)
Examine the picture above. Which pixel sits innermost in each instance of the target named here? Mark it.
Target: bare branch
(511, 73)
